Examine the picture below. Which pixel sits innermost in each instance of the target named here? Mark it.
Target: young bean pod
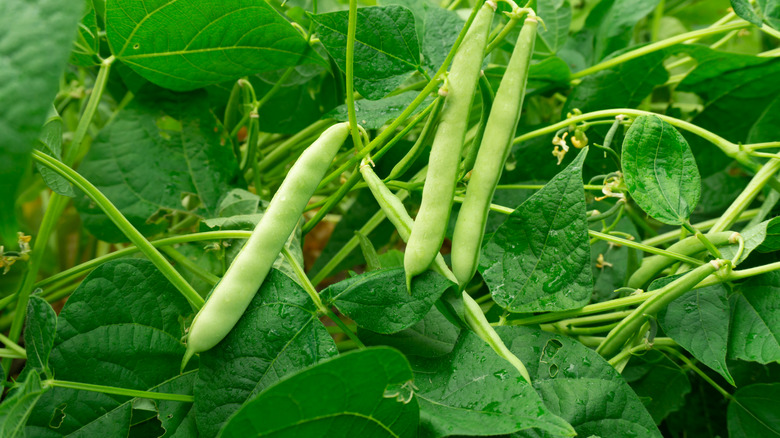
(493, 152)
(396, 212)
(243, 278)
(431, 222)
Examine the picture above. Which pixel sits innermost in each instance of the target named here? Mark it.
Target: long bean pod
(243, 278)
(431, 222)
(493, 151)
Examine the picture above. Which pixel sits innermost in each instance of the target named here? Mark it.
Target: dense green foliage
(630, 287)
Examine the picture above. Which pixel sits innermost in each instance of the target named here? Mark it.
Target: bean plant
(205, 208)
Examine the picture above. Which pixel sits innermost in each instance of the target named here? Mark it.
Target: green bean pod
(245, 275)
(493, 152)
(396, 212)
(431, 222)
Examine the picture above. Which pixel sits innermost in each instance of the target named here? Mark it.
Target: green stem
(629, 326)
(698, 371)
(9, 354)
(124, 225)
(350, 75)
(762, 177)
(595, 319)
(627, 353)
(702, 238)
(387, 132)
(674, 235)
(501, 35)
(650, 48)
(13, 346)
(185, 398)
(689, 246)
(315, 297)
(188, 264)
(89, 112)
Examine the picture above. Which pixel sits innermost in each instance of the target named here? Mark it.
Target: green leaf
(34, 47)
(379, 301)
(364, 393)
(744, 10)
(161, 147)
(373, 114)
(187, 44)
(86, 47)
(432, 336)
(755, 320)
(441, 30)
(624, 86)
(608, 28)
(772, 240)
(123, 325)
(39, 331)
(660, 171)
(473, 391)
(660, 383)
(557, 20)
(754, 412)
(539, 259)
(765, 128)
(16, 408)
(50, 143)
(754, 237)
(177, 418)
(578, 385)
(736, 90)
(698, 322)
(386, 46)
(278, 335)
(771, 12)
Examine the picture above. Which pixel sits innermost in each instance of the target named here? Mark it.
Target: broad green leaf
(278, 335)
(771, 12)
(624, 86)
(557, 20)
(771, 241)
(39, 331)
(608, 28)
(744, 10)
(754, 412)
(379, 301)
(123, 324)
(539, 259)
(474, 392)
(578, 385)
(441, 30)
(765, 128)
(34, 44)
(187, 44)
(373, 114)
(660, 171)
(736, 90)
(432, 336)
(161, 147)
(290, 110)
(698, 322)
(386, 46)
(177, 418)
(755, 320)
(16, 408)
(86, 47)
(50, 143)
(660, 383)
(365, 393)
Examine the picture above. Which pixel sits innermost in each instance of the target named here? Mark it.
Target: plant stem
(188, 264)
(89, 112)
(650, 48)
(762, 177)
(698, 371)
(124, 225)
(13, 346)
(674, 235)
(315, 297)
(185, 398)
(626, 353)
(350, 75)
(702, 238)
(9, 354)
